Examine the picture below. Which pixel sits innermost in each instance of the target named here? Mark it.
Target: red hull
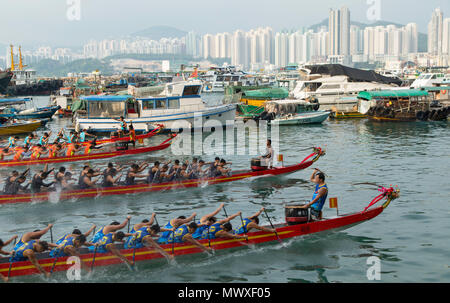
(141, 188)
(93, 156)
(141, 254)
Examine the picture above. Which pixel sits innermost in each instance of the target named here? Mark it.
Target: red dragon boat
(283, 231)
(142, 188)
(127, 138)
(91, 156)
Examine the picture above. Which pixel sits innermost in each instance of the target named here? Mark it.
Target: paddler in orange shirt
(132, 135)
(72, 148)
(38, 151)
(54, 150)
(19, 152)
(5, 152)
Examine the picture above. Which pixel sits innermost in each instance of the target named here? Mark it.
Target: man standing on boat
(320, 195)
(267, 159)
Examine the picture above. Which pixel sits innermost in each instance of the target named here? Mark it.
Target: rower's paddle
(51, 234)
(129, 226)
(57, 251)
(279, 240)
(11, 263)
(93, 259)
(173, 242)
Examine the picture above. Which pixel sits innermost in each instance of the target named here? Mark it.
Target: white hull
(303, 118)
(225, 115)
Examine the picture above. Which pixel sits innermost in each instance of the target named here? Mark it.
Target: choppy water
(410, 237)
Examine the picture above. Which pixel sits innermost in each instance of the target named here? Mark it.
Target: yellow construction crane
(13, 65)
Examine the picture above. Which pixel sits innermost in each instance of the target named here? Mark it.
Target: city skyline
(52, 27)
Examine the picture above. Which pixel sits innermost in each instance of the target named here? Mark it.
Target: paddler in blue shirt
(319, 196)
(174, 223)
(28, 251)
(12, 141)
(184, 234)
(83, 135)
(69, 247)
(107, 244)
(114, 226)
(6, 253)
(44, 139)
(34, 235)
(27, 141)
(252, 222)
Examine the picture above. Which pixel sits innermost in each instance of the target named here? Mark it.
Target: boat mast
(12, 58)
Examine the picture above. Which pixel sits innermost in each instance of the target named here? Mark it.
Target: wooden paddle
(11, 263)
(279, 240)
(57, 251)
(93, 259)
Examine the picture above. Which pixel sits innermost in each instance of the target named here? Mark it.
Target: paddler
(27, 141)
(32, 235)
(110, 179)
(86, 180)
(70, 246)
(72, 148)
(62, 178)
(113, 227)
(37, 151)
(319, 196)
(5, 152)
(134, 173)
(252, 222)
(207, 220)
(6, 253)
(83, 135)
(142, 236)
(184, 234)
(28, 251)
(44, 139)
(132, 135)
(38, 180)
(16, 186)
(19, 153)
(123, 126)
(75, 233)
(12, 141)
(55, 150)
(222, 170)
(106, 244)
(174, 223)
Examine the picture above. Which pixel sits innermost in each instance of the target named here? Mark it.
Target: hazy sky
(45, 22)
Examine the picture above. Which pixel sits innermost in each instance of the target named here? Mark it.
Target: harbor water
(410, 237)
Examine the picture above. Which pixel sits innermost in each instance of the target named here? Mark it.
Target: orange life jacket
(70, 149)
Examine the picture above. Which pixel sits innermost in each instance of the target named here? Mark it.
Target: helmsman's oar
(279, 240)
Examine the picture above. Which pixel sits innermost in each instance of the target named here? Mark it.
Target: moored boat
(24, 108)
(284, 231)
(142, 188)
(19, 127)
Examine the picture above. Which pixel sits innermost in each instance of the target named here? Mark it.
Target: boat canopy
(267, 93)
(436, 88)
(14, 101)
(112, 98)
(353, 74)
(404, 93)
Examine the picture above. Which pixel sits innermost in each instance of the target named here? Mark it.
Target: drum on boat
(256, 164)
(296, 215)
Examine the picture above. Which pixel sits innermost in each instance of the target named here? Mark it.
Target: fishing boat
(143, 188)
(293, 112)
(24, 108)
(92, 156)
(16, 127)
(290, 229)
(178, 105)
(5, 79)
(252, 102)
(401, 105)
